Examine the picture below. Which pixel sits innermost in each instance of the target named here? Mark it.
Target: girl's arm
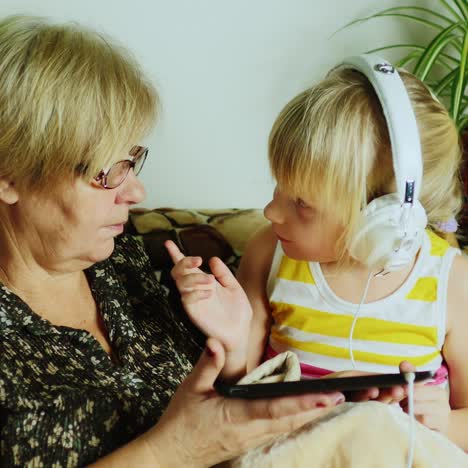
(217, 305)
(456, 349)
(253, 276)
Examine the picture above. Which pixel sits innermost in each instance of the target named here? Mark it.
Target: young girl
(330, 154)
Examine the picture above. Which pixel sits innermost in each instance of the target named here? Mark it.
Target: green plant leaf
(452, 10)
(445, 82)
(408, 59)
(416, 8)
(417, 19)
(461, 4)
(427, 23)
(462, 115)
(412, 46)
(382, 14)
(462, 123)
(395, 46)
(448, 48)
(460, 83)
(442, 59)
(434, 48)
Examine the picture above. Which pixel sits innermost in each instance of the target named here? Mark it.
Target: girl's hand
(216, 304)
(431, 407)
(201, 428)
(431, 404)
(391, 395)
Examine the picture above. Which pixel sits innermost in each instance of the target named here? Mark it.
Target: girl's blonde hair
(331, 144)
(70, 101)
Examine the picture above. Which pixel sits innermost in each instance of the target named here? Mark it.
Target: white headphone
(392, 226)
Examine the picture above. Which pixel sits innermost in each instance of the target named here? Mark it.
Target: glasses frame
(135, 154)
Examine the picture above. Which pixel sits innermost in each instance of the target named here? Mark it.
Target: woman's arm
(253, 276)
(200, 428)
(136, 453)
(455, 351)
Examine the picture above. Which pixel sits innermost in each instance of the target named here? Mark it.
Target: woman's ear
(8, 192)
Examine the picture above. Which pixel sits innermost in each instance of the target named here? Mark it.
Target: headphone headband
(401, 122)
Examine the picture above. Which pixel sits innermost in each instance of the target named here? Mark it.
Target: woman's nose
(132, 190)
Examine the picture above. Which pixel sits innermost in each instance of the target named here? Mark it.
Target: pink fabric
(441, 376)
(307, 371)
(312, 372)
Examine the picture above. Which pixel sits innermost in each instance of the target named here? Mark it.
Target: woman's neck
(49, 287)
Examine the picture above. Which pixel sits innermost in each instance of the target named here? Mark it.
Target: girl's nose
(274, 212)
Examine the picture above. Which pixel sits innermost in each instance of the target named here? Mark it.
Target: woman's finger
(392, 395)
(267, 429)
(261, 431)
(200, 381)
(363, 395)
(241, 411)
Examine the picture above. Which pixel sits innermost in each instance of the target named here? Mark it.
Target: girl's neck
(349, 281)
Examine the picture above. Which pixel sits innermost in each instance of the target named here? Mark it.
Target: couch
(205, 233)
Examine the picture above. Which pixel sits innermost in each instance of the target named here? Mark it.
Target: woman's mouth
(117, 227)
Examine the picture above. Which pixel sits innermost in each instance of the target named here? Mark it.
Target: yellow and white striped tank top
(309, 319)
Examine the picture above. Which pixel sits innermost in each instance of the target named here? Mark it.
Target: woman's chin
(103, 251)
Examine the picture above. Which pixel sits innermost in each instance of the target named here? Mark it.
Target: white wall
(224, 69)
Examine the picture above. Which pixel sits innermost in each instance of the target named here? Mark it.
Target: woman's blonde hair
(331, 143)
(69, 100)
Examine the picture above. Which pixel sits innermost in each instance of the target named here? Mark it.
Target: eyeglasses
(114, 176)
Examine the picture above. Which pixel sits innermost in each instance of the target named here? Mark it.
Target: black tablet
(342, 384)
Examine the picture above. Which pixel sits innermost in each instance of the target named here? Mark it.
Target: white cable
(356, 313)
(409, 377)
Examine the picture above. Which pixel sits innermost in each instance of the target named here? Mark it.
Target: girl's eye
(301, 203)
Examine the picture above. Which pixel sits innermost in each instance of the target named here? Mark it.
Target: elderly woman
(91, 354)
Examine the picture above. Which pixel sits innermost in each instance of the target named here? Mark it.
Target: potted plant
(441, 63)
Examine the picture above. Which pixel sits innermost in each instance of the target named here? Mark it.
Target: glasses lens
(117, 173)
(140, 161)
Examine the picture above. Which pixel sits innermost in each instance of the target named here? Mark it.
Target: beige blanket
(356, 435)
(353, 435)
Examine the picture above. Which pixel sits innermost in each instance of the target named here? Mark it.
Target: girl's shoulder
(457, 292)
(264, 238)
(258, 255)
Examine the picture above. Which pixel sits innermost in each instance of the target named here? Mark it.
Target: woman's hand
(200, 428)
(216, 304)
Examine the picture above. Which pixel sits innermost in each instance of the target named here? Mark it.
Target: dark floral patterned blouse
(63, 401)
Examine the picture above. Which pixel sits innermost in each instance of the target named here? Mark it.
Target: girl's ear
(8, 192)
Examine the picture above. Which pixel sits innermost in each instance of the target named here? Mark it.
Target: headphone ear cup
(386, 241)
